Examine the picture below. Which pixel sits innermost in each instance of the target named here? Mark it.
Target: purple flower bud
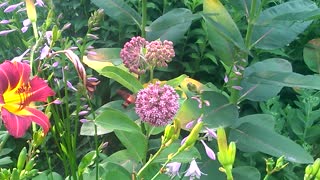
(209, 151)
(226, 79)
(6, 32)
(24, 29)
(189, 125)
(210, 133)
(92, 53)
(66, 26)
(183, 140)
(83, 120)
(3, 4)
(57, 101)
(5, 21)
(26, 22)
(71, 86)
(237, 88)
(55, 64)
(83, 113)
(92, 36)
(12, 7)
(19, 58)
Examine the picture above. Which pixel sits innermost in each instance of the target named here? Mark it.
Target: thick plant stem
(251, 20)
(144, 18)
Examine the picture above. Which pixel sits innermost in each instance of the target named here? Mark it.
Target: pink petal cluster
(157, 105)
(159, 53)
(132, 54)
(138, 54)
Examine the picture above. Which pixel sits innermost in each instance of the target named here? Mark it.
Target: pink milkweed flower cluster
(157, 105)
(138, 54)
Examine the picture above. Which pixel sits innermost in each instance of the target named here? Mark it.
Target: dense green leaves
(271, 32)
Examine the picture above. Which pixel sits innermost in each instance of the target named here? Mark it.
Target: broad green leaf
(48, 176)
(86, 161)
(270, 33)
(245, 5)
(313, 134)
(311, 55)
(120, 11)
(263, 120)
(258, 91)
(171, 26)
(5, 161)
(115, 171)
(246, 173)
(300, 16)
(124, 78)
(257, 138)
(88, 129)
(112, 119)
(135, 142)
(125, 159)
(103, 57)
(224, 35)
(220, 113)
(183, 157)
(176, 81)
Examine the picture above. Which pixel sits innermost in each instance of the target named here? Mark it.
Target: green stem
(251, 20)
(266, 177)
(165, 164)
(144, 18)
(151, 73)
(165, 4)
(151, 160)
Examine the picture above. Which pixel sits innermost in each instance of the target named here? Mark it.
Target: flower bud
(308, 173)
(168, 133)
(269, 165)
(192, 138)
(316, 166)
(280, 164)
(232, 152)
(22, 158)
(30, 164)
(31, 11)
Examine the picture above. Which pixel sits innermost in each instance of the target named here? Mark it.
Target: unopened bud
(22, 158)
(31, 10)
(192, 138)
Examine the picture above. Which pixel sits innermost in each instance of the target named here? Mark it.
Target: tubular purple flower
(6, 32)
(157, 105)
(3, 4)
(71, 86)
(172, 169)
(210, 133)
(225, 79)
(239, 88)
(12, 7)
(26, 22)
(83, 113)
(193, 171)
(5, 21)
(190, 124)
(209, 151)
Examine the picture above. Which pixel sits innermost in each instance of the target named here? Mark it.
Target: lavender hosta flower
(239, 88)
(210, 133)
(92, 36)
(12, 7)
(20, 58)
(6, 32)
(24, 29)
(172, 169)
(193, 171)
(45, 51)
(91, 85)
(157, 105)
(159, 53)
(209, 151)
(39, 3)
(4, 21)
(71, 86)
(3, 4)
(132, 55)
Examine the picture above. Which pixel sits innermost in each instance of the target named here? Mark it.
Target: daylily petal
(8, 76)
(39, 90)
(39, 118)
(16, 125)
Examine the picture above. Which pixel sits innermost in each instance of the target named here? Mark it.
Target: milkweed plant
(193, 89)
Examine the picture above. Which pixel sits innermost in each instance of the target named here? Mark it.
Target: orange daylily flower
(17, 92)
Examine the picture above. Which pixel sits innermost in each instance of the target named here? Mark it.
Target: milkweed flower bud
(157, 105)
(132, 55)
(159, 53)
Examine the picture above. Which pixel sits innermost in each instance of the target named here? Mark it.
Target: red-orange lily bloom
(17, 91)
